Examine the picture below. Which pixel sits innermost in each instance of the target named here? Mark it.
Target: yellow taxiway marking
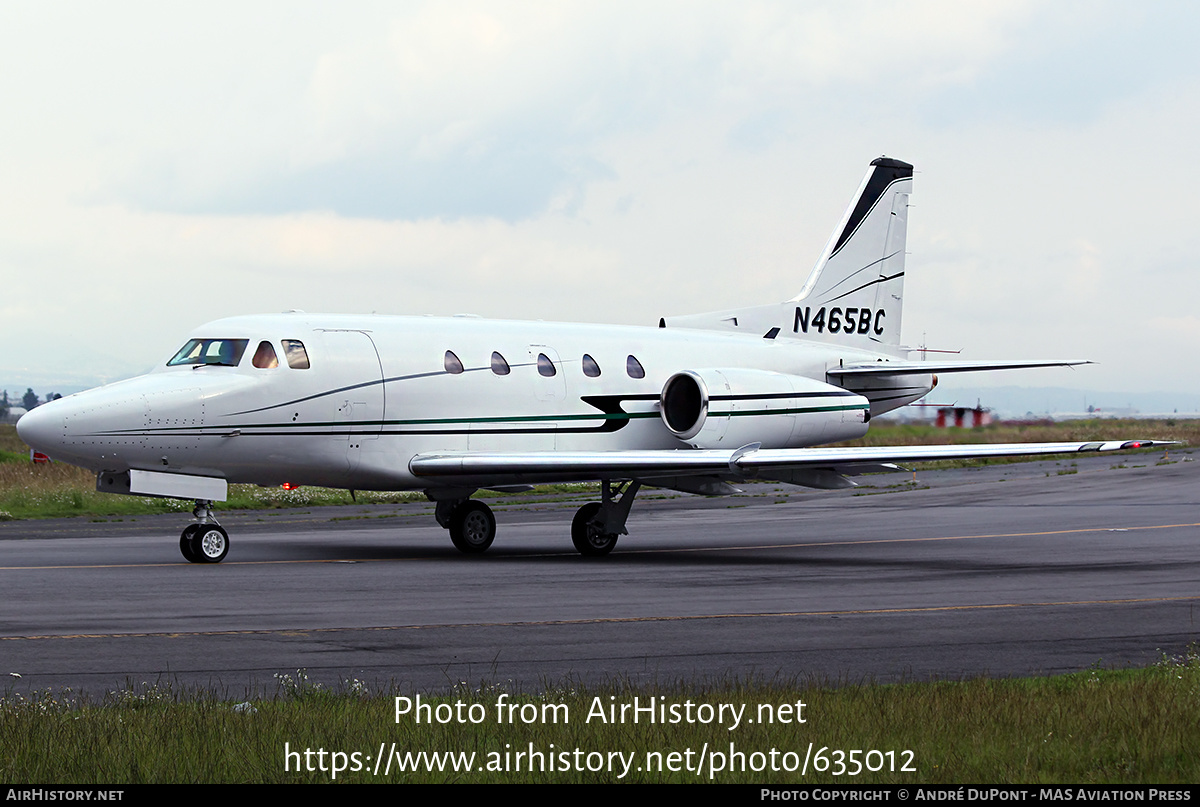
(799, 545)
(925, 609)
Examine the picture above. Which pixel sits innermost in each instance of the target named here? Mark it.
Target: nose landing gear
(206, 541)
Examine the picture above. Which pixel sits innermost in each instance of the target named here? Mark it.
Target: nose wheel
(206, 541)
(186, 544)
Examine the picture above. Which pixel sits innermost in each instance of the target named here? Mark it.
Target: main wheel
(186, 543)
(210, 543)
(472, 527)
(586, 536)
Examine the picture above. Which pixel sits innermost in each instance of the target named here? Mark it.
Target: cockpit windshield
(225, 352)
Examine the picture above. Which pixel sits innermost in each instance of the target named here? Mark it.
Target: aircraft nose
(42, 428)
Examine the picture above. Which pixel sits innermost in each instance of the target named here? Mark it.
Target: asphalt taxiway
(1030, 568)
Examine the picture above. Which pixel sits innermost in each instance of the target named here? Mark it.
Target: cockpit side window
(297, 356)
(224, 352)
(264, 357)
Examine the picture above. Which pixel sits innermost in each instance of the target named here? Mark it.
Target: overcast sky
(165, 164)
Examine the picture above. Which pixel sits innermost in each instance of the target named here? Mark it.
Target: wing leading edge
(486, 469)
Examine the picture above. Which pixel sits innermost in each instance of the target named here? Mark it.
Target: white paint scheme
(379, 408)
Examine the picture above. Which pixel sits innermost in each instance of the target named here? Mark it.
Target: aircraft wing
(484, 469)
(922, 367)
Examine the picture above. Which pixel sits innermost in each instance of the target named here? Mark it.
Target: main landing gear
(471, 523)
(206, 541)
(594, 530)
(597, 525)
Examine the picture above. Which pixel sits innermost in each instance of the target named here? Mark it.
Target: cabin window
(499, 365)
(297, 356)
(452, 363)
(224, 352)
(634, 368)
(590, 368)
(545, 366)
(264, 357)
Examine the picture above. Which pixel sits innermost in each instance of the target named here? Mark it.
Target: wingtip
(1149, 443)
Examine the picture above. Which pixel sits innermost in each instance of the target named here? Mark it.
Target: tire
(588, 539)
(210, 543)
(185, 543)
(472, 527)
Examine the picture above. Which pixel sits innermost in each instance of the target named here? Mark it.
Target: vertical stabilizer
(857, 287)
(855, 293)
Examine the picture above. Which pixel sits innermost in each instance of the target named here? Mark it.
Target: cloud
(1069, 63)
(602, 162)
(466, 110)
(450, 111)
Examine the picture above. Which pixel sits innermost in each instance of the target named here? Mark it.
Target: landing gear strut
(597, 525)
(471, 523)
(206, 541)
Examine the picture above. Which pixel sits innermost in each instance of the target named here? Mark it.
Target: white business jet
(451, 406)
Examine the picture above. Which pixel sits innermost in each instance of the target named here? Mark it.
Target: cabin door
(357, 396)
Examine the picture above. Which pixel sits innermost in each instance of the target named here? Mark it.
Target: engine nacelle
(729, 408)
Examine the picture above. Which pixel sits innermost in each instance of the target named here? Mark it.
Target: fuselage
(361, 396)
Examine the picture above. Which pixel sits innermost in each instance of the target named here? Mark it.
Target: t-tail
(855, 293)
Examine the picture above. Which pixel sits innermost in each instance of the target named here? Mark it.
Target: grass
(1097, 726)
(55, 490)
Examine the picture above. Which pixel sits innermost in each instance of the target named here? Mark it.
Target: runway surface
(1005, 570)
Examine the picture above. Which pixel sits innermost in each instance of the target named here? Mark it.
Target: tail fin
(855, 293)
(858, 285)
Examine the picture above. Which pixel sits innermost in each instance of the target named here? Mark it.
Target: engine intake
(685, 404)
